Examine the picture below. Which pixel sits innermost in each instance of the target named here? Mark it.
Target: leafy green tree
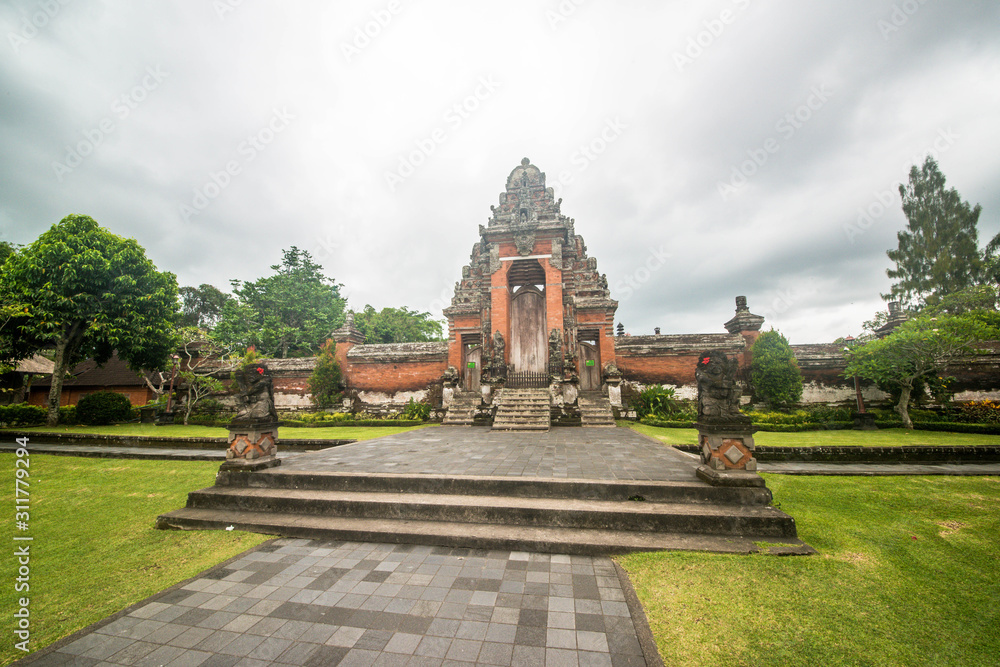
(917, 353)
(89, 292)
(938, 252)
(324, 383)
(397, 325)
(288, 313)
(201, 361)
(11, 314)
(6, 250)
(774, 372)
(202, 306)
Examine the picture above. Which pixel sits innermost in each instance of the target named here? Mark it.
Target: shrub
(826, 413)
(103, 407)
(67, 415)
(797, 417)
(416, 410)
(774, 371)
(978, 412)
(656, 401)
(22, 414)
(324, 383)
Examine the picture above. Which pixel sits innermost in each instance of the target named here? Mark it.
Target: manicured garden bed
(894, 437)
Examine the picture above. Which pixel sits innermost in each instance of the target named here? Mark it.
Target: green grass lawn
(890, 437)
(906, 575)
(181, 431)
(95, 550)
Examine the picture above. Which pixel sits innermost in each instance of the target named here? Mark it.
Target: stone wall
(389, 375)
(383, 378)
(671, 360)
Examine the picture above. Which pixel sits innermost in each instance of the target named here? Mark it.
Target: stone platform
(571, 491)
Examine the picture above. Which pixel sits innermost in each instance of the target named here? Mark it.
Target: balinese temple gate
(532, 319)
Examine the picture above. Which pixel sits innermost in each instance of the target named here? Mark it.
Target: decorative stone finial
(896, 317)
(744, 320)
(348, 333)
(525, 162)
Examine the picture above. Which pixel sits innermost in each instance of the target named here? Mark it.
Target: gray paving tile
(559, 453)
(189, 659)
(493, 608)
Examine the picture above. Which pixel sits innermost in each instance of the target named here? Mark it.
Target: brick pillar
(553, 298)
(747, 325)
(500, 306)
(346, 337)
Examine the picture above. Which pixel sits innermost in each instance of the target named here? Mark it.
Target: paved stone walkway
(561, 453)
(301, 602)
(788, 468)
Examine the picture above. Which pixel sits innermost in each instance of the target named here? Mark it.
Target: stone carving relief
(556, 259)
(718, 392)
(256, 397)
(525, 243)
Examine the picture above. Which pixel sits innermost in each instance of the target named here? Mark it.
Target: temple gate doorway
(527, 330)
(472, 362)
(590, 362)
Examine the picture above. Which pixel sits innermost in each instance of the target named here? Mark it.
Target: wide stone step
(514, 420)
(520, 427)
(502, 510)
(480, 536)
(471, 485)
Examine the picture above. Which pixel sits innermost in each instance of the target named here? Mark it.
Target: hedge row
(950, 427)
(773, 428)
(22, 414)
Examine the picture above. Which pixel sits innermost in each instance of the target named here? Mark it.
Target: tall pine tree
(938, 252)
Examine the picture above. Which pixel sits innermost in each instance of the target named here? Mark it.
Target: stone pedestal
(252, 446)
(615, 394)
(570, 392)
(727, 454)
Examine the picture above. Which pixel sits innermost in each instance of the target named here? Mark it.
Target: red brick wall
(392, 377)
(677, 370)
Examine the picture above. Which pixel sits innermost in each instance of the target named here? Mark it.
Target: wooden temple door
(472, 367)
(529, 344)
(590, 366)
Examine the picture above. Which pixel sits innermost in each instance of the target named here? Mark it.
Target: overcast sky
(705, 149)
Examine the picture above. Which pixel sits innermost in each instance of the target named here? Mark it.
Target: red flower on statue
(260, 371)
(706, 360)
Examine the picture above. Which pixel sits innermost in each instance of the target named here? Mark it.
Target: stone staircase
(462, 410)
(522, 410)
(546, 515)
(595, 409)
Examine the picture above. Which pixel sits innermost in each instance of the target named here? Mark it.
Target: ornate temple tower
(530, 299)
